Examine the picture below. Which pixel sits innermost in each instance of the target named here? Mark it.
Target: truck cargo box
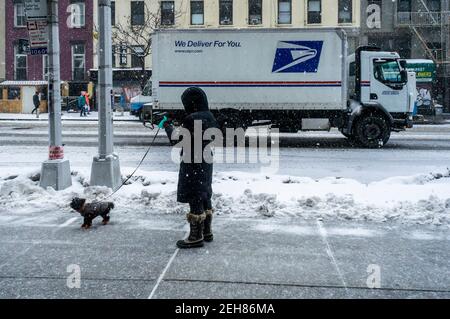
(267, 69)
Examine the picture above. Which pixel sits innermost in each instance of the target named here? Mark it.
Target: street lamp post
(55, 171)
(105, 169)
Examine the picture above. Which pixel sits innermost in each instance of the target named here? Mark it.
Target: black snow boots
(207, 229)
(195, 238)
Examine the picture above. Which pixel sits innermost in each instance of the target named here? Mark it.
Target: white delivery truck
(298, 79)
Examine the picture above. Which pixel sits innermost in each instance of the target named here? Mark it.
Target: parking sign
(36, 12)
(36, 9)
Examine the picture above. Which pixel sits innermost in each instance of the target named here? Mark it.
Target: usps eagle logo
(297, 57)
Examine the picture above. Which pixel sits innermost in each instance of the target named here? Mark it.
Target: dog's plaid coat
(91, 210)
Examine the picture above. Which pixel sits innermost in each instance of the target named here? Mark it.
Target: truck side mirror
(404, 76)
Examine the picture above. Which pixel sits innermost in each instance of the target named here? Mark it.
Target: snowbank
(418, 199)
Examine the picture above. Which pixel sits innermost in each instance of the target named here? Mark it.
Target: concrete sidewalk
(264, 258)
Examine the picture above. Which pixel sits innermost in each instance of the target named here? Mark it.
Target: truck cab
(381, 96)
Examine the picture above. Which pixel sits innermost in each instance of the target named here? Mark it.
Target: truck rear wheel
(372, 131)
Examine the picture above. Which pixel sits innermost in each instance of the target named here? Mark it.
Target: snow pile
(421, 199)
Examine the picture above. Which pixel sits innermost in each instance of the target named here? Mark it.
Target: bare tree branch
(131, 37)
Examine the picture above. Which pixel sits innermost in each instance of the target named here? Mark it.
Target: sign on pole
(36, 9)
(37, 31)
(37, 15)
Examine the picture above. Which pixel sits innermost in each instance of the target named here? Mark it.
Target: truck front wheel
(372, 131)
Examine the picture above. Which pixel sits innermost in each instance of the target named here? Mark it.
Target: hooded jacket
(195, 175)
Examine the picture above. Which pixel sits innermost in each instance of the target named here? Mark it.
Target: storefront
(17, 96)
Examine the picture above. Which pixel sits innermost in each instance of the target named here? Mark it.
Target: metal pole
(55, 171)
(105, 81)
(54, 81)
(105, 167)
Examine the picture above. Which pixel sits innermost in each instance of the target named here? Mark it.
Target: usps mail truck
(296, 79)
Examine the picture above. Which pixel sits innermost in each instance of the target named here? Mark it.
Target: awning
(23, 83)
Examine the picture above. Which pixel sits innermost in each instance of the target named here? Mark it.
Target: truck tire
(351, 139)
(372, 131)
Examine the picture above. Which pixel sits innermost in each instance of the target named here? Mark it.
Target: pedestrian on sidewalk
(88, 104)
(123, 101)
(195, 174)
(37, 103)
(82, 104)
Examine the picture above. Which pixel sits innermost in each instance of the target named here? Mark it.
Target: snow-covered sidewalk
(418, 199)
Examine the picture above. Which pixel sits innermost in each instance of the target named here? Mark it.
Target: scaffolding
(420, 23)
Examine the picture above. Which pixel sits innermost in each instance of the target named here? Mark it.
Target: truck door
(387, 86)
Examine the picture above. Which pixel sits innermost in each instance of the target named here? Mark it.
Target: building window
(13, 93)
(113, 13)
(284, 11)
(137, 57)
(78, 62)
(167, 12)
(20, 63)
(345, 11)
(197, 12)
(404, 11)
(254, 12)
(137, 12)
(45, 65)
(434, 5)
(19, 15)
(123, 58)
(77, 11)
(225, 12)
(404, 6)
(314, 11)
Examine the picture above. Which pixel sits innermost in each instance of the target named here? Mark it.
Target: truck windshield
(387, 71)
(147, 91)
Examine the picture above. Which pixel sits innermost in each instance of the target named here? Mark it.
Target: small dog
(91, 210)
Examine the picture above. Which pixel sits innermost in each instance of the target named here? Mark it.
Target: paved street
(250, 257)
(315, 154)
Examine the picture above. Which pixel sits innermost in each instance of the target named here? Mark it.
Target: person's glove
(163, 122)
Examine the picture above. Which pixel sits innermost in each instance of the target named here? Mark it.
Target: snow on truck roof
(419, 61)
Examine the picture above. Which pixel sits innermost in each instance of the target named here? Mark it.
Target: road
(250, 258)
(315, 154)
